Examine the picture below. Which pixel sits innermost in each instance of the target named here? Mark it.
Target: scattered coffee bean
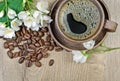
(20, 47)
(38, 64)
(6, 45)
(15, 44)
(10, 54)
(41, 34)
(32, 45)
(35, 33)
(37, 45)
(39, 56)
(21, 60)
(58, 49)
(44, 29)
(16, 54)
(29, 41)
(51, 48)
(28, 63)
(47, 43)
(48, 38)
(23, 30)
(41, 42)
(45, 55)
(11, 47)
(45, 49)
(51, 62)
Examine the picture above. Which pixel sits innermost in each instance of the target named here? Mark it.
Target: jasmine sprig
(101, 49)
(82, 56)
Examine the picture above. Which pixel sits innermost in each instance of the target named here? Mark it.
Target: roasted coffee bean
(45, 55)
(22, 34)
(47, 43)
(33, 41)
(23, 30)
(18, 34)
(39, 56)
(48, 38)
(19, 39)
(32, 52)
(58, 49)
(6, 45)
(45, 49)
(35, 33)
(20, 47)
(25, 46)
(53, 43)
(44, 29)
(28, 63)
(41, 34)
(10, 54)
(11, 47)
(27, 36)
(51, 62)
(41, 42)
(38, 64)
(25, 52)
(37, 38)
(28, 57)
(33, 59)
(31, 47)
(21, 60)
(38, 50)
(51, 48)
(16, 54)
(15, 44)
(29, 41)
(37, 45)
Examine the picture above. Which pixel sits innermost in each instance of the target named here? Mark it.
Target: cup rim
(67, 48)
(101, 25)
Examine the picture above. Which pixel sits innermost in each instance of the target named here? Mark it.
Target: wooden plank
(98, 67)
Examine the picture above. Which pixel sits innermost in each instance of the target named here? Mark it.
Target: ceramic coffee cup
(79, 21)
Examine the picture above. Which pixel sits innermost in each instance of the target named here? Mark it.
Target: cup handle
(110, 26)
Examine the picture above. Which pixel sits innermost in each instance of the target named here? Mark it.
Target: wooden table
(100, 67)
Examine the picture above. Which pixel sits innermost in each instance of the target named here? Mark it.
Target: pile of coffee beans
(31, 46)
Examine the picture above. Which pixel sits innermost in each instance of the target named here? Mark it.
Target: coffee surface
(79, 19)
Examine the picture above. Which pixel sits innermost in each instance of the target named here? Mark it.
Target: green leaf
(2, 5)
(16, 5)
(30, 0)
(3, 19)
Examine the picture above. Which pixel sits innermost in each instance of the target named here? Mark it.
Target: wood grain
(100, 67)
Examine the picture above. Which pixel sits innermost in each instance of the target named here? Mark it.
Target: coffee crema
(79, 19)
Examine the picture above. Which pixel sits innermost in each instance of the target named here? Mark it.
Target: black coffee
(75, 26)
(79, 19)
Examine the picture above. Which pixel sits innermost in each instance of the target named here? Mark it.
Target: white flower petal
(42, 5)
(74, 52)
(89, 45)
(36, 14)
(45, 20)
(1, 32)
(78, 57)
(9, 33)
(36, 28)
(11, 13)
(24, 1)
(1, 13)
(2, 25)
(23, 15)
(28, 21)
(83, 59)
(15, 24)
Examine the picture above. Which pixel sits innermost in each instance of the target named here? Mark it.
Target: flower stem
(6, 9)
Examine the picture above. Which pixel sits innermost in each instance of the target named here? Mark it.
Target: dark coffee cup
(79, 21)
